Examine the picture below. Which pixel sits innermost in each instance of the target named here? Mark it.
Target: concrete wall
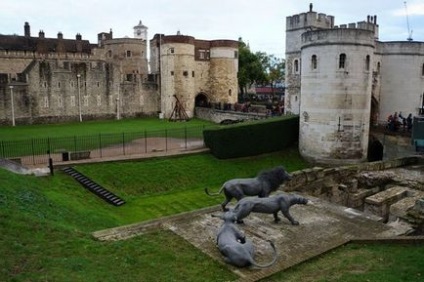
(218, 116)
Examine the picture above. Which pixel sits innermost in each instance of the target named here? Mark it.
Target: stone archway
(375, 149)
(201, 100)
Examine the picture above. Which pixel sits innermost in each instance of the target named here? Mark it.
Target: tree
(273, 67)
(250, 68)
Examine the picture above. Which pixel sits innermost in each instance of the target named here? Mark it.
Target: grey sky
(260, 23)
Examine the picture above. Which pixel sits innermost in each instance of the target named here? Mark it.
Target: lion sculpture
(233, 245)
(262, 185)
(271, 205)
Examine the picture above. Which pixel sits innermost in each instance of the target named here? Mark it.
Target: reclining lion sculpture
(262, 185)
(233, 245)
(271, 205)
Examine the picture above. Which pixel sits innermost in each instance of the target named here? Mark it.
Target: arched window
(367, 62)
(296, 66)
(342, 61)
(314, 62)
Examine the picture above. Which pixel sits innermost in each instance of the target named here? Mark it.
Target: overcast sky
(261, 23)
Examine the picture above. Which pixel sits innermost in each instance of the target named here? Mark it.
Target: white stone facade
(341, 78)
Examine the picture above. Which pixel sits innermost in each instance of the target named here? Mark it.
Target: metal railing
(61, 149)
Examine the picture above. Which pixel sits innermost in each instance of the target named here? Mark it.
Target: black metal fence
(38, 150)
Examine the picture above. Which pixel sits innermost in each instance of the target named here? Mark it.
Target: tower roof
(140, 25)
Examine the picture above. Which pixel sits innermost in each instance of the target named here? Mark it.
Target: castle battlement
(309, 19)
(369, 24)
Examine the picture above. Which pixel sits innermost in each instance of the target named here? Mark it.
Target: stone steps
(379, 204)
(393, 204)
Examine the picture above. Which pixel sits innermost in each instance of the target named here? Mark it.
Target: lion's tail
(274, 259)
(213, 194)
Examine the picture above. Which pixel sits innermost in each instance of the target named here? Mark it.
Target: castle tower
(177, 70)
(140, 31)
(295, 26)
(336, 74)
(223, 71)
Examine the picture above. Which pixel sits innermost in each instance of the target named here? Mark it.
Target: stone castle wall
(335, 112)
(60, 79)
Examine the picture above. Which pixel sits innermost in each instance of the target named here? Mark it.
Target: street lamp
(79, 97)
(12, 105)
(118, 115)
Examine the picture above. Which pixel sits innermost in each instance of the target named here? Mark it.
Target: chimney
(310, 7)
(41, 34)
(27, 30)
(60, 35)
(79, 43)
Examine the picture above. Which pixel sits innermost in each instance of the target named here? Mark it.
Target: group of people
(396, 121)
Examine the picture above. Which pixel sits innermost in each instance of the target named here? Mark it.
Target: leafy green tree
(258, 67)
(250, 68)
(273, 68)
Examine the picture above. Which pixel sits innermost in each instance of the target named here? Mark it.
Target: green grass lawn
(46, 223)
(34, 140)
(358, 262)
(25, 132)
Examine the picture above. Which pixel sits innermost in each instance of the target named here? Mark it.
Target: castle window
(192, 74)
(422, 70)
(45, 84)
(235, 54)
(229, 92)
(202, 54)
(172, 73)
(171, 50)
(185, 73)
(314, 62)
(367, 62)
(128, 54)
(109, 53)
(46, 101)
(58, 84)
(72, 83)
(378, 67)
(296, 66)
(66, 65)
(342, 61)
(98, 84)
(60, 102)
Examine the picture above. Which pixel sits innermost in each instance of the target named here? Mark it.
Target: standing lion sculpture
(271, 205)
(262, 185)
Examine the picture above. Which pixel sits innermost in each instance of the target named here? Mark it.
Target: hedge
(252, 138)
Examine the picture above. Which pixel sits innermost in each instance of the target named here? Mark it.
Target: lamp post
(118, 115)
(12, 105)
(79, 97)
